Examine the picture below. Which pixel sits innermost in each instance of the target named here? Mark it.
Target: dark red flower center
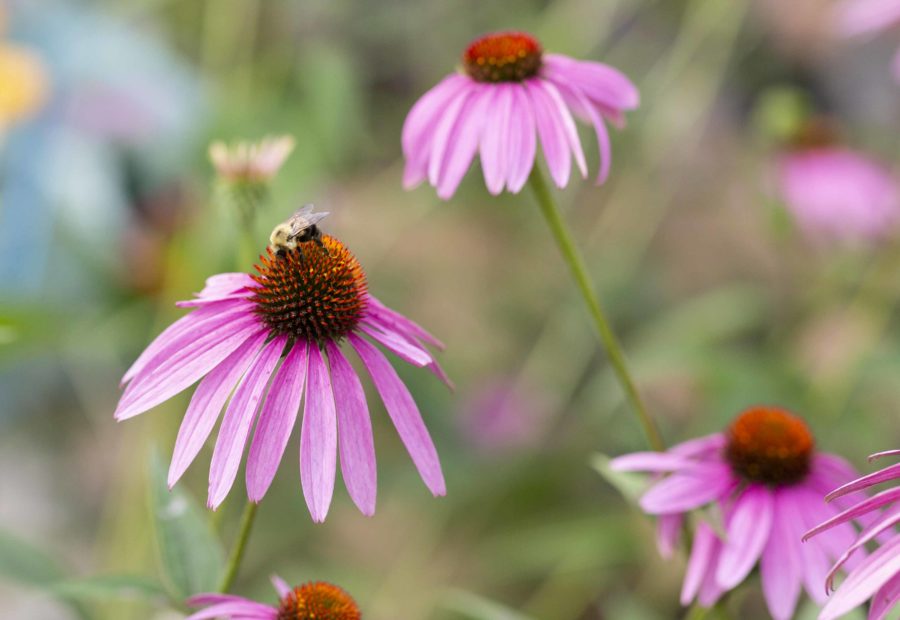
(503, 57)
(769, 445)
(314, 292)
(318, 601)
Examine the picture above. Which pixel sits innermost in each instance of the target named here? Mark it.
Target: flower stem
(237, 553)
(574, 260)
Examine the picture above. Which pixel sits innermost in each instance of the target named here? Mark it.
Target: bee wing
(304, 210)
(314, 218)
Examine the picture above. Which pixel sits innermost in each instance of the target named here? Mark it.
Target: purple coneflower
(877, 576)
(287, 324)
(766, 480)
(251, 162)
(837, 193)
(865, 17)
(509, 94)
(311, 601)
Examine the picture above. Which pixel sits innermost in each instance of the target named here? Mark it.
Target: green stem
(574, 260)
(237, 553)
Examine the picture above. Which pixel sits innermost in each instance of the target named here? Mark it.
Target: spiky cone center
(769, 445)
(503, 57)
(316, 293)
(318, 601)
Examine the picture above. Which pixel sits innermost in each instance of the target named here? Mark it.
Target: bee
(298, 228)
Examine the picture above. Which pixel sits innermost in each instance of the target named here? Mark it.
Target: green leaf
(110, 587)
(630, 485)
(190, 554)
(24, 563)
(479, 608)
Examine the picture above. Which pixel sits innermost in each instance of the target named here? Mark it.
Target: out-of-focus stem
(240, 545)
(577, 267)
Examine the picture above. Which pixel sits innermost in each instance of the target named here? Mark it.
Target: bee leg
(318, 241)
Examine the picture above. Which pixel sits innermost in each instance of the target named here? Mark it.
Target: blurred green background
(108, 217)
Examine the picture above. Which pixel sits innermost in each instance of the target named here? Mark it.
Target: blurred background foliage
(108, 216)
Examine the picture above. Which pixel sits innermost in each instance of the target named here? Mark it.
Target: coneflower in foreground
(269, 339)
(509, 94)
(766, 480)
(877, 576)
(311, 601)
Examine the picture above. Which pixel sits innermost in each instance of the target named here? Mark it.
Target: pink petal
(237, 610)
(885, 599)
(318, 438)
(879, 455)
(494, 149)
(567, 123)
(163, 378)
(207, 403)
(748, 532)
(463, 143)
(276, 421)
(688, 489)
(806, 506)
(781, 565)
(657, 462)
(221, 287)
(238, 420)
(445, 130)
(668, 533)
(603, 146)
(708, 446)
(185, 330)
(552, 133)
(885, 523)
(400, 323)
(404, 414)
(874, 572)
(281, 586)
(601, 83)
(882, 475)
(407, 351)
(420, 124)
(856, 17)
(522, 139)
(357, 446)
(862, 508)
(700, 563)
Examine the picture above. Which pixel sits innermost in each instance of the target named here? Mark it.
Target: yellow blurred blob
(23, 84)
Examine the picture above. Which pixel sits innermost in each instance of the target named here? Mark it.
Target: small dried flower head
(769, 445)
(318, 601)
(248, 162)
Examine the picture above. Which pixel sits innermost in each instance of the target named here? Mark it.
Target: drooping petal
(494, 149)
(567, 123)
(318, 439)
(463, 143)
(700, 563)
(238, 421)
(882, 475)
(604, 148)
(522, 139)
(355, 441)
(420, 125)
(781, 564)
(601, 83)
(404, 414)
(222, 286)
(748, 532)
(552, 133)
(441, 142)
(657, 462)
(885, 599)
(668, 533)
(161, 380)
(184, 331)
(873, 573)
(400, 323)
(407, 351)
(885, 523)
(207, 403)
(276, 421)
(880, 455)
(862, 508)
(688, 489)
(236, 610)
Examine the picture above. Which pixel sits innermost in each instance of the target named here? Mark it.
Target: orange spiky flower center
(503, 57)
(769, 445)
(318, 601)
(317, 293)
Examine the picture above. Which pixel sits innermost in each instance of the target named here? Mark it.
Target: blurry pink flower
(501, 415)
(511, 92)
(312, 601)
(839, 194)
(296, 312)
(865, 17)
(251, 162)
(766, 480)
(876, 577)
